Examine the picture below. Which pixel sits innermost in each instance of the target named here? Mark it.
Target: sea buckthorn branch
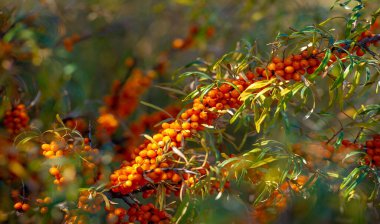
(16, 119)
(130, 178)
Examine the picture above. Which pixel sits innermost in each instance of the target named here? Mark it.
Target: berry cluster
(21, 207)
(360, 50)
(59, 179)
(90, 201)
(147, 214)
(318, 155)
(373, 151)
(55, 149)
(150, 162)
(267, 211)
(43, 204)
(124, 98)
(107, 125)
(16, 119)
(60, 146)
(345, 148)
(116, 215)
(294, 66)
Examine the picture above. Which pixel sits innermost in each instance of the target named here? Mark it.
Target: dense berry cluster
(55, 148)
(294, 66)
(151, 161)
(318, 155)
(122, 102)
(373, 151)
(268, 211)
(16, 119)
(60, 146)
(148, 213)
(124, 97)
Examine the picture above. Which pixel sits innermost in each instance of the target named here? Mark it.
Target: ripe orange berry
(186, 126)
(194, 118)
(313, 62)
(152, 153)
(54, 171)
(178, 43)
(304, 63)
(25, 207)
(297, 57)
(280, 66)
(194, 125)
(271, 66)
(276, 59)
(184, 116)
(288, 62)
(360, 52)
(289, 69)
(176, 178)
(280, 72)
(219, 106)
(18, 206)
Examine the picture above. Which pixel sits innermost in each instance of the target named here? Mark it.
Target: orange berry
(176, 178)
(17, 206)
(276, 59)
(312, 62)
(25, 207)
(194, 118)
(155, 219)
(219, 106)
(288, 62)
(279, 72)
(178, 43)
(152, 153)
(260, 70)
(297, 57)
(280, 66)
(304, 63)
(360, 52)
(289, 69)
(194, 125)
(158, 137)
(186, 126)
(271, 66)
(54, 171)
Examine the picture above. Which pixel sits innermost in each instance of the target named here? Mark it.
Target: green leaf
(263, 162)
(256, 86)
(339, 139)
(198, 74)
(237, 113)
(339, 81)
